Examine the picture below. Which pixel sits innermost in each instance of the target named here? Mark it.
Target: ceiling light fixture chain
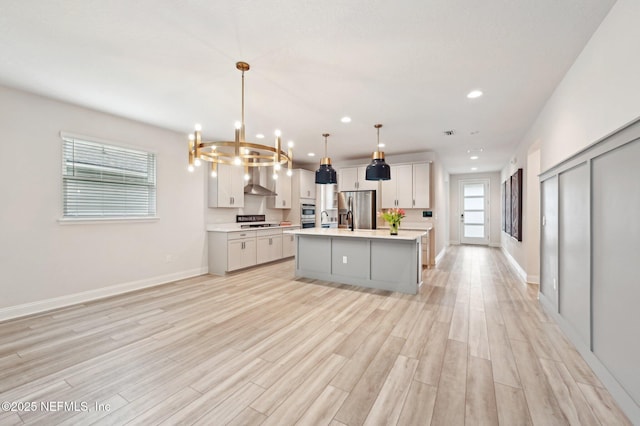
(238, 152)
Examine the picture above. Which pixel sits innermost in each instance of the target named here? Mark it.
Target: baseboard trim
(521, 273)
(454, 243)
(40, 306)
(622, 398)
(441, 255)
(533, 279)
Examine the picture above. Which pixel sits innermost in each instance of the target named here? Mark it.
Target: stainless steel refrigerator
(362, 205)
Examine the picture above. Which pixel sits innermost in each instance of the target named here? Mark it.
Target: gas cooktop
(258, 225)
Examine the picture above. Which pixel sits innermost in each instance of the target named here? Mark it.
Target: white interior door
(474, 212)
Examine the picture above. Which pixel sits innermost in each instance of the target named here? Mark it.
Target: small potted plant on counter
(393, 218)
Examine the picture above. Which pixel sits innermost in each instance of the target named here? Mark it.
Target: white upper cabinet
(227, 189)
(354, 179)
(408, 187)
(421, 185)
(282, 187)
(307, 183)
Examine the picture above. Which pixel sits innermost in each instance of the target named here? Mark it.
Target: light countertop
(359, 233)
(235, 227)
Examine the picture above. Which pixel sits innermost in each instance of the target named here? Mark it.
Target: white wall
(494, 206)
(526, 253)
(597, 96)
(41, 259)
(599, 93)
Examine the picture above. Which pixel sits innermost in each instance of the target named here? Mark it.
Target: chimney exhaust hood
(253, 186)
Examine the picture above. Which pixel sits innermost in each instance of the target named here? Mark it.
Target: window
(100, 180)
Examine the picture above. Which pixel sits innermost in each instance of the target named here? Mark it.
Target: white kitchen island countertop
(403, 235)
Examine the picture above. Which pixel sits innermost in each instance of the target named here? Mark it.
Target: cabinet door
(388, 189)
(262, 250)
(282, 187)
(404, 186)
(363, 183)
(235, 253)
(236, 183)
(307, 184)
(348, 179)
(227, 189)
(241, 253)
(275, 248)
(288, 245)
(421, 186)
(269, 248)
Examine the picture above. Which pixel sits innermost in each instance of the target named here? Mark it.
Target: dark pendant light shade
(326, 174)
(378, 169)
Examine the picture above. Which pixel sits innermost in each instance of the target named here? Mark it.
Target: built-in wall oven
(308, 215)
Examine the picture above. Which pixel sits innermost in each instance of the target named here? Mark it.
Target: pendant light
(326, 174)
(238, 152)
(378, 169)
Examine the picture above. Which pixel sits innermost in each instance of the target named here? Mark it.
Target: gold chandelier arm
(237, 152)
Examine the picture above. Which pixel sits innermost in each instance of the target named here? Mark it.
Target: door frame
(487, 211)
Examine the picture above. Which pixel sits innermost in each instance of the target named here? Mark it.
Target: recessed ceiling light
(381, 145)
(469, 151)
(474, 157)
(311, 154)
(260, 136)
(474, 169)
(346, 119)
(474, 94)
(290, 144)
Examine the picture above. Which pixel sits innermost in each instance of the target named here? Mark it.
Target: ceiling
(407, 64)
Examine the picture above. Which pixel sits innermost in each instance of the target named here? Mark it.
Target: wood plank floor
(259, 348)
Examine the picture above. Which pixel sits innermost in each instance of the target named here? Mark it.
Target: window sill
(95, 220)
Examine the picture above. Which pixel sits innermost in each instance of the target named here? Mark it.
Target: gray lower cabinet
(288, 245)
(368, 262)
(241, 253)
(269, 246)
(231, 251)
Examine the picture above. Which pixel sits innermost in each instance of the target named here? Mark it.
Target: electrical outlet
(344, 259)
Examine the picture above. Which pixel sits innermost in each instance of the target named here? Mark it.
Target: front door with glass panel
(474, 214)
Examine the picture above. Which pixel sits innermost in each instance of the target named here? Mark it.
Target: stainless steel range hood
(253, 186)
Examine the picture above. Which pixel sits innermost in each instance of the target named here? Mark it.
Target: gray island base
(365, 257)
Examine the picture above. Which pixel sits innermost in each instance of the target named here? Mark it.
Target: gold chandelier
(238, 152)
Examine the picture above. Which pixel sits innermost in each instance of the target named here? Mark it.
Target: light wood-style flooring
(259, 348)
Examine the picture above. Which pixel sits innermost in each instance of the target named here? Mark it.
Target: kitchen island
(365, 257)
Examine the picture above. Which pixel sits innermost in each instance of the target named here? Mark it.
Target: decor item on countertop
(238, 152)
(378, 169)
(326, 174)
(393, 218)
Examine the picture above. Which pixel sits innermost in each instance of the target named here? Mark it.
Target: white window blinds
(106, 181)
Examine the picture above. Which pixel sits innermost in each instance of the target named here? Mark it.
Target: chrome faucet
(350, 213)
